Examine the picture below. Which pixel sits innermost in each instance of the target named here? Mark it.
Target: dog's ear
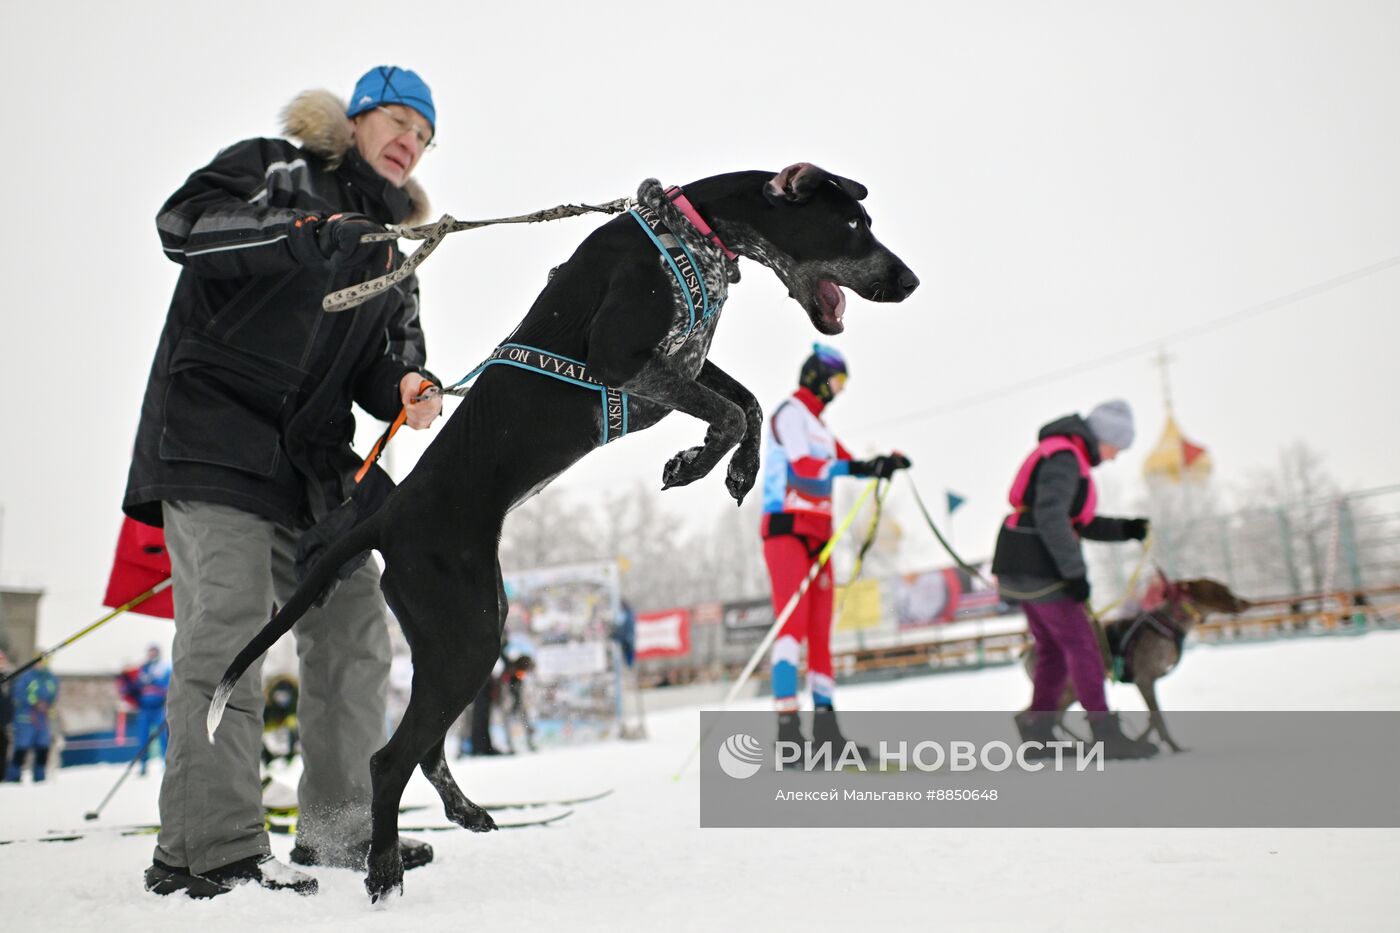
(852, 187)
(1155, 595)
(1158, 591)
(797, 183)
(794, 184)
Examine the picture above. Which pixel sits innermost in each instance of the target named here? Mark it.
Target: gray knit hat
(1112, 423)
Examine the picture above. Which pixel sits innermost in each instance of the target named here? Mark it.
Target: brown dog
(1146, 647)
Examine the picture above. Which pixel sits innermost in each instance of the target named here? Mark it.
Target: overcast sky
(1068, 180)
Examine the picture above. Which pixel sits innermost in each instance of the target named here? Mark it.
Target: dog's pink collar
(677, 197)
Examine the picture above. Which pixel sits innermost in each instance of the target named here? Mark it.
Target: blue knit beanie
(389, 84)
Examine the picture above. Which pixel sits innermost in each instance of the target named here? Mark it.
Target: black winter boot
(826, 731)
(166, 879)
(790, 730)
(263, 870)
(1107, 730)
(1039, 727)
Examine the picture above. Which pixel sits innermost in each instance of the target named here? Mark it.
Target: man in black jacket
(244, 442)
(1039, 563)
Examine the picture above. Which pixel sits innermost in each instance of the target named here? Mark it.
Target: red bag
(140, 564)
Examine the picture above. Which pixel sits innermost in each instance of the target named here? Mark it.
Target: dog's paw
(743, 472)
(472, 817)
(683, 469)
(379, 893)
(385, 874)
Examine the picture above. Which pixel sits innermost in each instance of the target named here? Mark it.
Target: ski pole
(881, 492)
(822, 557)
(140, 756)
(132, 604)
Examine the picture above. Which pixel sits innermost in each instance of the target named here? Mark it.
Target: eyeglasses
(424, 137)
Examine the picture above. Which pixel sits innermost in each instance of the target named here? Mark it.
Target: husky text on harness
(533, 359)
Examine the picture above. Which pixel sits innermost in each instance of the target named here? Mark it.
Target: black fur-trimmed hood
(317, 120)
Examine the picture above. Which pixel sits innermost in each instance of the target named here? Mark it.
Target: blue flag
(954, 500)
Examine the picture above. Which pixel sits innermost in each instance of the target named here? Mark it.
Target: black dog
(628, 320)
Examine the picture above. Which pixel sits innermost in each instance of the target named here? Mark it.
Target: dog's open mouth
(832, 302)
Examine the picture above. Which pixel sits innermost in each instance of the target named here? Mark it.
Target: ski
(276, 814)
(140, 829)
(279, 827)
(285, 812)
(290, 828)
(291, 812)
(519, 823)
(556, 802)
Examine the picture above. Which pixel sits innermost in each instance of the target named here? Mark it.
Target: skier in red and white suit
(801, 459)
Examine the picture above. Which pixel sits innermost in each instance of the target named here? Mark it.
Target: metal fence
(1315, 555)
(1344, 543)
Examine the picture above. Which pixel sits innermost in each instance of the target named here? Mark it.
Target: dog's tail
(362, 538)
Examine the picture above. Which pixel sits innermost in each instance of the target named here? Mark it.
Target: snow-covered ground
(637, 859)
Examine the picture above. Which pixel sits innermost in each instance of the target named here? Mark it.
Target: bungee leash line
(1035, 594)
(433, 234)
(969, 568)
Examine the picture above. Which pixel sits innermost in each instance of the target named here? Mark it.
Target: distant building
(1175, 459)
(19, 622)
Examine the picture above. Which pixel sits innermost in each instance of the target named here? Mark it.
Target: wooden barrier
(1306, 615)
(1274, 617)
(1288, 616)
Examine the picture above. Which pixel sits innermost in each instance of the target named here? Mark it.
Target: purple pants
(1065, 647)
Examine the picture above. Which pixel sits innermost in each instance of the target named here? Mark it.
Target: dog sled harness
(1123, 635)
(699, 308)
(682, 263)
(563, 368)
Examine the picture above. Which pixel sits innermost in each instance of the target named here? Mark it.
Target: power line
(1225, 320)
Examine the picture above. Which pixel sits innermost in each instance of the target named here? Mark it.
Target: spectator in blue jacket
(151, 685)
(7, 711)
(624, 632)
(33, 694)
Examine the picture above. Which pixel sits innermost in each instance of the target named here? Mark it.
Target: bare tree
(1190, 530)
(1301, 496)
(650, 542)
(729, 556)
(548, 530)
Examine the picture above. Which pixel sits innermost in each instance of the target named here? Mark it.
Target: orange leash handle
(378, 449)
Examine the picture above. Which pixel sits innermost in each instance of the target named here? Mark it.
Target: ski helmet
(817, 372)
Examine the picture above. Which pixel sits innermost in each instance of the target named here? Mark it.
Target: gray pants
(229, 567)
